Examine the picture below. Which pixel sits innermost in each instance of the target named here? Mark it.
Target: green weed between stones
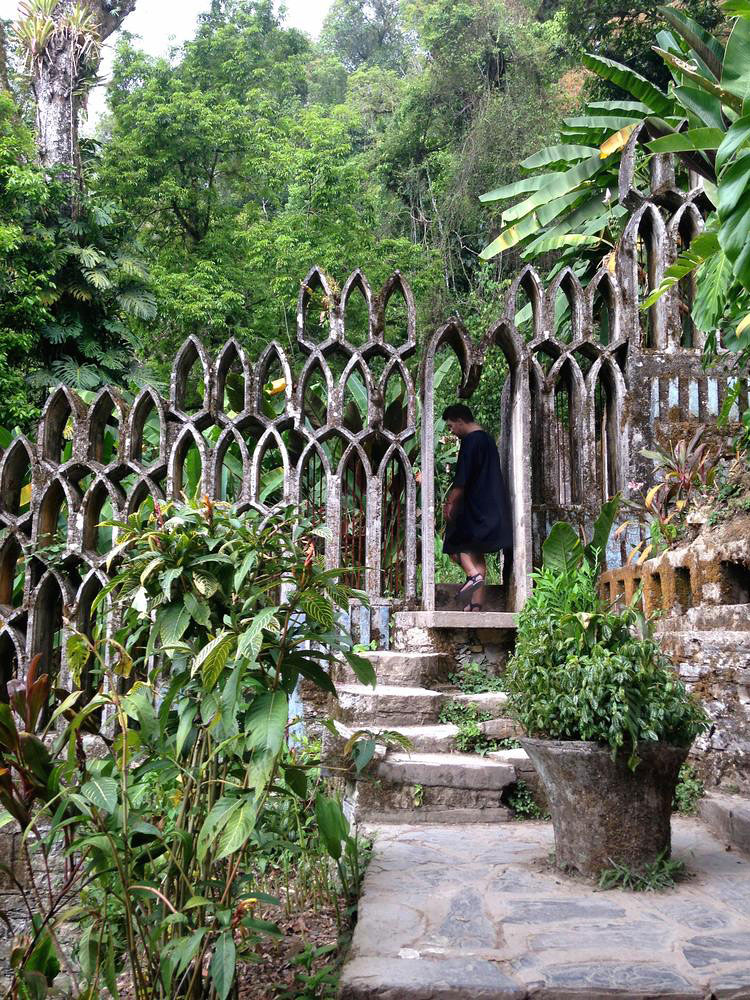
(474, 678)
(468, 718)
(664, 873)
(690, 790)
(523, 803)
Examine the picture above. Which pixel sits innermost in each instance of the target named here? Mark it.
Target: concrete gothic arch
(608, 389)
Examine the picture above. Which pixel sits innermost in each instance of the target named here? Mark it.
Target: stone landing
(477, 913)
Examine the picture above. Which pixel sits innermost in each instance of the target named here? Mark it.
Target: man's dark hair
(458, 411)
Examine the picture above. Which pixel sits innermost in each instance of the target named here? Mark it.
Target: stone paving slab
(478, 913)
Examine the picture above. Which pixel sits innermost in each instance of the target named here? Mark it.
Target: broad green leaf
(604, 123)
(735, 76)
(512, 190)
(213, 665)
(198, 610)
(208, 649)
(629, 81)
(736, 137)
(553, 155)
(332, 825)
(173, 622)
(186, 714)
(703, 246)
(620, 107)
(531, 224)
(556, 185)
(547, 243)
(693, 139)
(223, 965)
(101, 792)
(689, 71)
(296, 779)
(214, 823)
(317, 607)
(562, 550)
(267, 721)
(362, 667)
(705, 45)
(736, 8)
(714, 280)
(734, 216)
(237, 829)
(596, 550)
(703, 106)
(176, 955)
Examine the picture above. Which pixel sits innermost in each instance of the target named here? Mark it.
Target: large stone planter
(601, 810)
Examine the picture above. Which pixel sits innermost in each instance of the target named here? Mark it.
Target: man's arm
(452, 502)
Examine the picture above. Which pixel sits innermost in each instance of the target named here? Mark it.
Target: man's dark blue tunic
(483, 522)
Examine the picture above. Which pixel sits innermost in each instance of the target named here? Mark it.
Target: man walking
(477, 508)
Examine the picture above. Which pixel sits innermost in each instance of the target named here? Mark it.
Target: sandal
(472, 584)
(473, 607)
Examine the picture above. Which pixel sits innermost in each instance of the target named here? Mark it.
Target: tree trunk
(58, 83)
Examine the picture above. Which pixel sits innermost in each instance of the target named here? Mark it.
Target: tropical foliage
(162, 817)
(585, 671)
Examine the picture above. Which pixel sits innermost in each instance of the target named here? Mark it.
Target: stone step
(431, 787)
(435, 814)
(401, 669)
(388, 706)
(729, 818)
(493, 702)
(455, 770)
(455, 619)
(727, 617)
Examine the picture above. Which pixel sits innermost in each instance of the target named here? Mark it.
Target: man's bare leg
(475, 564)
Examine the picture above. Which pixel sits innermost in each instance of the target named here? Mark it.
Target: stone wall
(700, 595)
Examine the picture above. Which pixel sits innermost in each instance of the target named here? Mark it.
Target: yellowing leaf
(633, 553)
(741, 327)
(615, 142)
(277, 386)
(26, 491)
(652, 493)
(645, 554)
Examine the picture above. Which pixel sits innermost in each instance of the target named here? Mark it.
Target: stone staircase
(431, 782)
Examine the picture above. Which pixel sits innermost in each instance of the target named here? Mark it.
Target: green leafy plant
(664, 873)
(221, 614)
(468, 718)
(521, 800)
(475, 678)
(686, 474)
(690, 790)
(584, 671)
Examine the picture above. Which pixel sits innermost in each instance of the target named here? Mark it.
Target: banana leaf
(629, 81)
(556, 186)
(704, 107)
(704, 44)
(695, 139)
(735, 74)
(685, 69)
(553, 155)
(525, 186)
(734, 215)
(736, 137)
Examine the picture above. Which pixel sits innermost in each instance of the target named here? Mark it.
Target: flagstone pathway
(476, 912)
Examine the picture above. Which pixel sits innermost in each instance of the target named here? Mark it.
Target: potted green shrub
(608, 723)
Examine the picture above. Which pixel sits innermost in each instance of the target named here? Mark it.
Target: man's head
(459, 418)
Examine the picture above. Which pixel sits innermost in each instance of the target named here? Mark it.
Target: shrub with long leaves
(221, 613)
(703, 119)
(585, 671)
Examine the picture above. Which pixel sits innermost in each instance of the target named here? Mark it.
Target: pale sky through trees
(163, 23)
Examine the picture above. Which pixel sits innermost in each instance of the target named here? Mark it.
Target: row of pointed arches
(608, 310)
